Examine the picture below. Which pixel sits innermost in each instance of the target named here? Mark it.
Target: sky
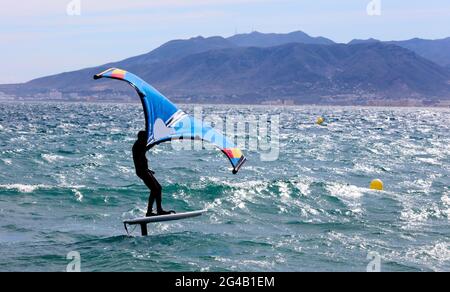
(43, 37)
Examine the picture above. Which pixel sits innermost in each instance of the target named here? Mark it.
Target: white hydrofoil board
(162, 218)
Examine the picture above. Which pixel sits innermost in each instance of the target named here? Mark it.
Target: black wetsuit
(142, 171)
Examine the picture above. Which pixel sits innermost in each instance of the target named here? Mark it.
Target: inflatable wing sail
(165, 122)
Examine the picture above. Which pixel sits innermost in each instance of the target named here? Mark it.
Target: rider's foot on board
(162, 212)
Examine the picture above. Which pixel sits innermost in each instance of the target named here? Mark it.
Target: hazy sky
(38, 37)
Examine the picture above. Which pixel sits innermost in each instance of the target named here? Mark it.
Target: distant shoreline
(444, 106)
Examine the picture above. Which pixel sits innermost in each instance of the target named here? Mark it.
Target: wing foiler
(165, 122)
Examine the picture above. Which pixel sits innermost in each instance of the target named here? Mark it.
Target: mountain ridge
(226, 70)
(437, 50)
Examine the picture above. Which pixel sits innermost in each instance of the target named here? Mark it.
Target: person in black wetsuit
(142, 171)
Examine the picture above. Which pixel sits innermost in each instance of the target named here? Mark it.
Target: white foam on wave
(345, 191)
(97, 156)
(421, 185)
(51, 158)
(366, 169)
(351, 241)
(243, 193)
(18, 139)
(222, 212)
(254, 191)
(78, 195)
(435, 256)
(431, 161)
(66, 126)
(440, 251)
(408, 149)
(284, 191)
(349, 194)
(285, 197)
(138, 210)
(1, 128)
(235, 264)
(115, 130)
(238, 202)
(414, 217)
(438, 150)
(290, 198)
(23, 188)
(418, 216)
(303, 187)
(96, 125)
(7, 161)
(445, 200)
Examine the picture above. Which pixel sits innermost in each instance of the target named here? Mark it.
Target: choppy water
(67, 183)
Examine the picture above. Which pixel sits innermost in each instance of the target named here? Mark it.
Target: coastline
(306, 105)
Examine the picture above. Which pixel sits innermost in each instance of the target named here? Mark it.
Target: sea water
(67, 182)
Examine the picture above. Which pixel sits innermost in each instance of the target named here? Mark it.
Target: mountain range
(269, 68)
(437, 51)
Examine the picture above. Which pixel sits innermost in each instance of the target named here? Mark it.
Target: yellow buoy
(320, 120)
(376, 184)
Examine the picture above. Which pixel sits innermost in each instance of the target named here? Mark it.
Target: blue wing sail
(164, 121)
